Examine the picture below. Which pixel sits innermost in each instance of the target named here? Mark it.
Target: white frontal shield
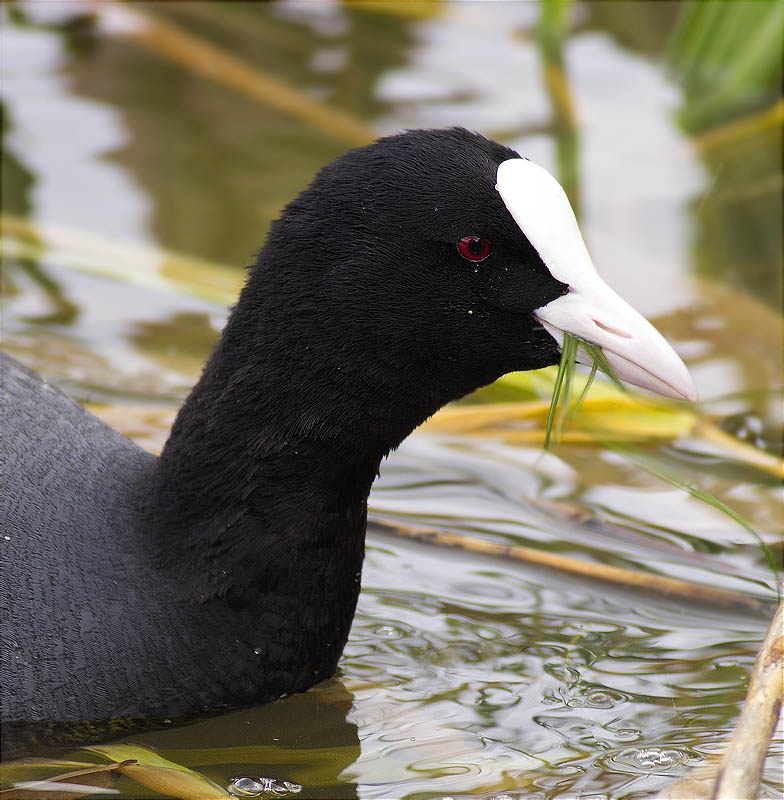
(590, 309)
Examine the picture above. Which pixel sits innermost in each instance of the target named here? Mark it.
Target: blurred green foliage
(727, 58)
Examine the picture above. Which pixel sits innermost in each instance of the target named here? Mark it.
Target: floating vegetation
(563, 381)
(560, 401)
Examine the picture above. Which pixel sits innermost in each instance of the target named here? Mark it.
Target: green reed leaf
(576, 407)
(571, 358)
(563, 382)
(600, 360)
(566, 365)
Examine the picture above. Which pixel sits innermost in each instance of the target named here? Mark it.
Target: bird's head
(452, 260)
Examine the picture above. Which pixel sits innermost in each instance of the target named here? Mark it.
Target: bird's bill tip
(636, 351)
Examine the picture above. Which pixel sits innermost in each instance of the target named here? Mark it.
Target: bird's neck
(271, 458)
(259, 498)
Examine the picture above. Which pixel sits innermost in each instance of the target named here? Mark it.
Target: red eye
(474, 248)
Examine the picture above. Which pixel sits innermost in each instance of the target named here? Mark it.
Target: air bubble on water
(257, 787)
(650, 759)
(245, 787)
(600, 700)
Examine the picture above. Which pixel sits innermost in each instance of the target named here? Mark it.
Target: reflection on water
(489, 672)
(464, 675)
(73, 180)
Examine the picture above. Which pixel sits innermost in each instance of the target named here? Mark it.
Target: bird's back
(72, 557)
(94, 626)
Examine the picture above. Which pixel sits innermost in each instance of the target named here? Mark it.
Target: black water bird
(226, 571)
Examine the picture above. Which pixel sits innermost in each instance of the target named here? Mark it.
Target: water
(465, 675)
(256, 787)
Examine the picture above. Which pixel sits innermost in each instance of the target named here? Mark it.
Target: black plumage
(226, 571)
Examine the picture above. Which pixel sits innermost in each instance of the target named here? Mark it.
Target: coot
(226, 571)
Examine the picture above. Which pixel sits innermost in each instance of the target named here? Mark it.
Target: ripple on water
(492, 697)
(458, 670)
(389, 632)
(588, 732)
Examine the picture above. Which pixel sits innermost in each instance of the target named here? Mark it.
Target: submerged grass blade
(653, 467)
(26, 778)
(592, 570)
(159, 774)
